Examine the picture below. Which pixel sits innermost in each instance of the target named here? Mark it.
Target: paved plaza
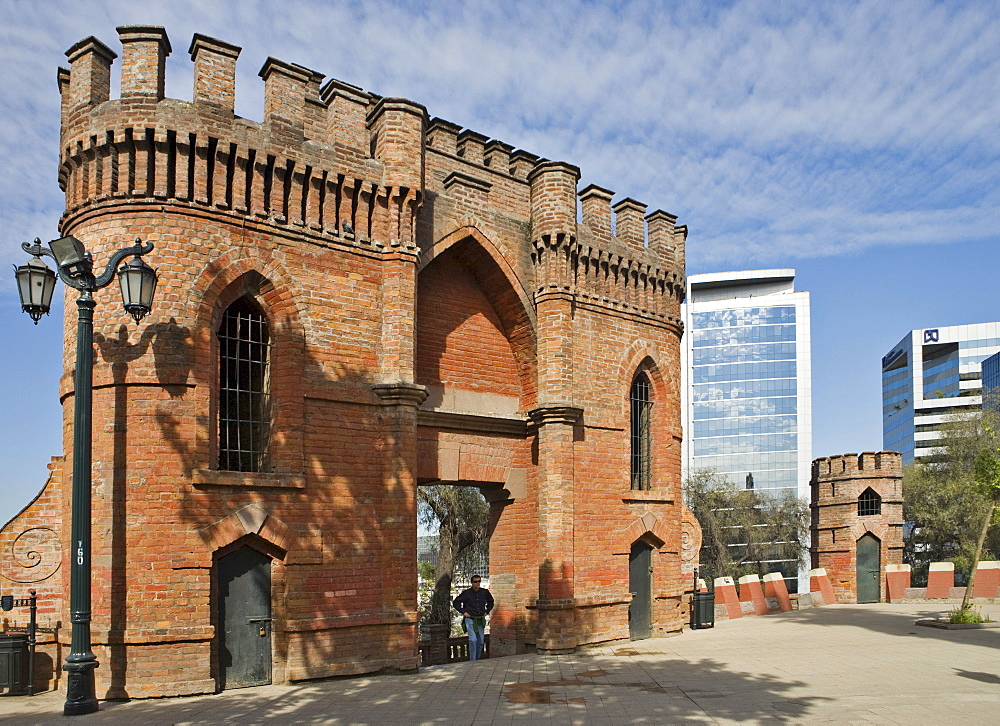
(840, 664)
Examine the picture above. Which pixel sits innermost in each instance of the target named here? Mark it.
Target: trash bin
(13, 662)
(703, 610)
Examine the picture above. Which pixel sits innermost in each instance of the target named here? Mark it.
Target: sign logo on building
(931, 336)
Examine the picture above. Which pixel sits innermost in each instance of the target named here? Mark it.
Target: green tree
(461, 517)
(986, 473)
(950, 501)
(944, 512)
(745, 531)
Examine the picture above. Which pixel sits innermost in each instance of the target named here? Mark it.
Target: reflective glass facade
(747, 384)
(744, 406)
(928, 377)
(991, 382)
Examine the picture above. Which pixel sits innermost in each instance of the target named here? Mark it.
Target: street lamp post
(36, 283)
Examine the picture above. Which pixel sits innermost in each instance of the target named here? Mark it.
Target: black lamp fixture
(35, 283)
(138, 285)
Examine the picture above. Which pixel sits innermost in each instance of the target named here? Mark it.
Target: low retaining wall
(941, 584)
(763, 596)
(757, 596)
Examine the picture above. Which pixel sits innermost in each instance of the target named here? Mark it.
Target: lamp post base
(80, 691)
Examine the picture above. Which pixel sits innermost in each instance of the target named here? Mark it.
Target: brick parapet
(608, 282)
(629, 269)
(888, 464)
(336, 163)
(281, 172)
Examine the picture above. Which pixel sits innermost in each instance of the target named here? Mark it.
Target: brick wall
(436, 314)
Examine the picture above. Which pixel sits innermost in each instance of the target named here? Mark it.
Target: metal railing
(458, 650)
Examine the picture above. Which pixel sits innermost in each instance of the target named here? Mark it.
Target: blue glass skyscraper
(929, 377)
(747, 392)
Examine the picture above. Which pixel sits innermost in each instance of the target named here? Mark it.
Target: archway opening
(475, 353)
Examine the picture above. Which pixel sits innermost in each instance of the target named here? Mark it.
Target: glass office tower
(747, 381)
(931, 375)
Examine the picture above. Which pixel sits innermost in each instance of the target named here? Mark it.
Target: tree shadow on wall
(350, 539)
(171, 346)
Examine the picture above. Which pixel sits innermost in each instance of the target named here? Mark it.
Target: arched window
(642, 436)
(869, 503)
(244, 388)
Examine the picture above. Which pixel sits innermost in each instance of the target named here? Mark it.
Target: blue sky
(858, 142)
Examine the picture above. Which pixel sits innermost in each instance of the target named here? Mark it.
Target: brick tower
(857, 522)
(355, 300)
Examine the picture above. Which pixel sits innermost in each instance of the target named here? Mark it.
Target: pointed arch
(235, 274)
(469, 229)
(648, 528)
(646, 356)
(252, 519)
(863, 527)
(263, 281)
(490, 279)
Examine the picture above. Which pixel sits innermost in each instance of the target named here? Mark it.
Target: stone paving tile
(841, 664)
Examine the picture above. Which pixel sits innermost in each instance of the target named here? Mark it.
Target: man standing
(475, 604)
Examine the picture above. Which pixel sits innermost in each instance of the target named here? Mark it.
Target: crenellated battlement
(656, 234)
(475, 148)
(653, 238)
(333, 160)
(632, 247)
(868, 464)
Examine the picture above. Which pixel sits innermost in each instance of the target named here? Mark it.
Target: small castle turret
(857, 521)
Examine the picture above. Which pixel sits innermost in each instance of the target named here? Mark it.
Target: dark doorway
(640, 583)
(868, 571)
(245, 618)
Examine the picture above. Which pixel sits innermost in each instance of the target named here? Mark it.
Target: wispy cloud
(775, 131)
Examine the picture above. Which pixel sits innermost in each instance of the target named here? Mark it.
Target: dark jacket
(474, 602)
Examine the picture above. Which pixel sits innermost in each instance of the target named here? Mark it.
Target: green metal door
(245, 618)
(640, 583)
(868, 568)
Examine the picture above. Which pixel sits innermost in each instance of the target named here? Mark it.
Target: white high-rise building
(928, 377)
(747, 381)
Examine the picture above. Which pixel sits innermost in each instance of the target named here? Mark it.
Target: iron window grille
(869, 503)
(244, 388)
(642, 438)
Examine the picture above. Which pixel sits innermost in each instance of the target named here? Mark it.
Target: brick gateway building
(354, 300)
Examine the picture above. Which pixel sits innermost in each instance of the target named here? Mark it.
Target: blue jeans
(476, 639)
